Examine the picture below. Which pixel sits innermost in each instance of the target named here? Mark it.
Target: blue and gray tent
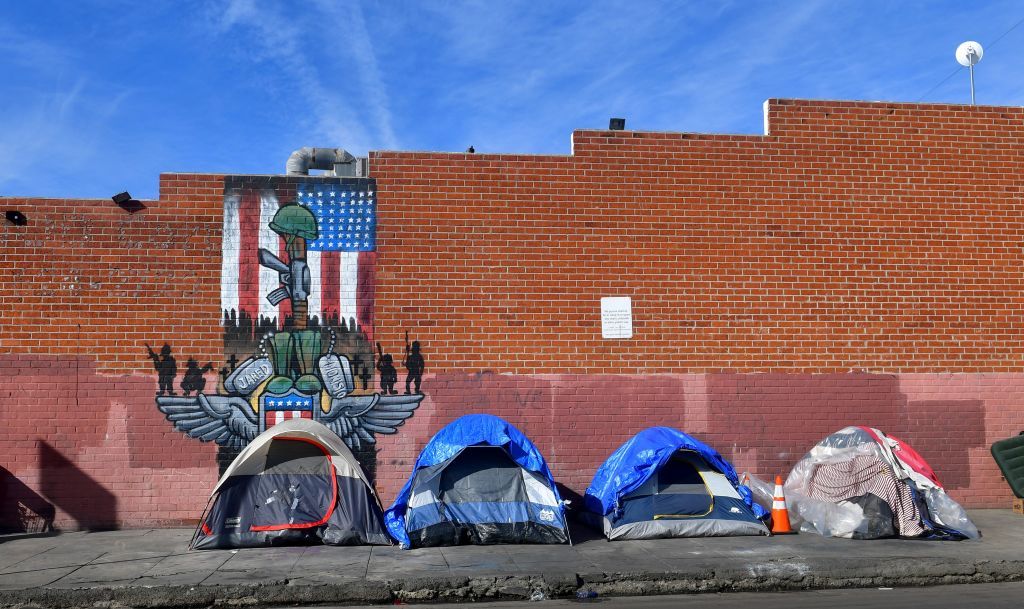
(665, 483)
(478, 481)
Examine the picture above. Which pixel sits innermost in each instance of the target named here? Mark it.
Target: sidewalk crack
(66, 575)
(26, 559)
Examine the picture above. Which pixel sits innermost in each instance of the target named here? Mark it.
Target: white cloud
(55, 132)
(361, 48)
(306, 68)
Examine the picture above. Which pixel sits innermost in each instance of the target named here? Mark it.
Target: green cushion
(1009, 455)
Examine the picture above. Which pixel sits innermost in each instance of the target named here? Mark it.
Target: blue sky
(101, 96)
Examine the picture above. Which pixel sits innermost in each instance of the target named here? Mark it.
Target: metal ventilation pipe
(335, 160)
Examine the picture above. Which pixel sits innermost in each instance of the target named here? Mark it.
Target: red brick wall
(85, 286)
(859, 264)
(876, 237)
(86, 278)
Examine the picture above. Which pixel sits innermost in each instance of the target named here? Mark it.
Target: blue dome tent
(665, 483)
(479, 480)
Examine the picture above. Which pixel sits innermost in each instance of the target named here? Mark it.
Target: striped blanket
(844, 480)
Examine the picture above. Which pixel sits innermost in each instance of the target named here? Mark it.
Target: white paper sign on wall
(617, 317)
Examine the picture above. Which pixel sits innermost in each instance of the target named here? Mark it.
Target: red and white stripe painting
(343, 283)
(279, 416)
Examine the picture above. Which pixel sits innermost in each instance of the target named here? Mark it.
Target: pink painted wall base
(94, 449)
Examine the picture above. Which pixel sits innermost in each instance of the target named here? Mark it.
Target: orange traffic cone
(780, 515)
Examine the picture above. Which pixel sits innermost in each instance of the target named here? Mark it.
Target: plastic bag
(843, 519)
(762, 491)
(948, 513)
(809, 515)
(831, 519)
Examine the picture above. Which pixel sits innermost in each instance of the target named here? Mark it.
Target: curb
(772, 576)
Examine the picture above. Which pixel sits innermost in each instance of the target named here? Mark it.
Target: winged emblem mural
(298, 314)
(231, 420)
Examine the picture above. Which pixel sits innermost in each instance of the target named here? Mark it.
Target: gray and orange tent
(297, 482)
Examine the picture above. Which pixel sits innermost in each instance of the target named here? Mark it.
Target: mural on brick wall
(297, 290)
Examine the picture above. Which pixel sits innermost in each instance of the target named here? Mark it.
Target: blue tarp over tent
(471, 431)
(641, 457)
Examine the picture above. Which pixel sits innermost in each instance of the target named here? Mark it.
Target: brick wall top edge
(665, 135)
(14, 199)
(217, 177)
(168, 182)
(220, 176)
(852, 103)
(468, 156)
(825, 119)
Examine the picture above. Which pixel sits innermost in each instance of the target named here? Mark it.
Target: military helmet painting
(294, 220)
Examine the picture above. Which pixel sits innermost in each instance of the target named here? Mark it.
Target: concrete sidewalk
(152, 568)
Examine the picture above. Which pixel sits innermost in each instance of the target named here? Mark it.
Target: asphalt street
(989, 596)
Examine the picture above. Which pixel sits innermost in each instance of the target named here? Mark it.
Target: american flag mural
(297, 290)
(341, 260)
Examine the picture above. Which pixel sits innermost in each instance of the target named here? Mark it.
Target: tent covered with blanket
(479, 481)
(296, 482)
(863, 484)
(665, 483)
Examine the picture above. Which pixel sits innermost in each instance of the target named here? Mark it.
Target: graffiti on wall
(297, 290)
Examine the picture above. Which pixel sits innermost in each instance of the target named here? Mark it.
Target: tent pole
(199, 526)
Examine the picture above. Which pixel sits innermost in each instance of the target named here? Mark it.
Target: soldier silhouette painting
(193, 379)
(414, 364)
(166, 368)
(388, 372)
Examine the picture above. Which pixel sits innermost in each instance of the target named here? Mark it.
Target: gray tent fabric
(686, 497)
(482, 496)
(295, 483)
(482, 474)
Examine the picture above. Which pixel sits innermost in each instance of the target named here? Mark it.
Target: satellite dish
(969, 53)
